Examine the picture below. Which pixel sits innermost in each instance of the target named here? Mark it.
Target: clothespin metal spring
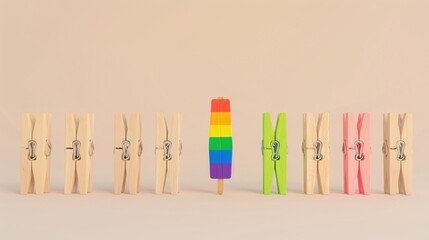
(167, 150)
(125, 150)
(318, 145)
(358, 147)
(76, 145)
(359, 150)
(32, 150)
(76, 150)
(275, 148)
(400, 146)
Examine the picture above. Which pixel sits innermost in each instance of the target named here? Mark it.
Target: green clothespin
(274, 152)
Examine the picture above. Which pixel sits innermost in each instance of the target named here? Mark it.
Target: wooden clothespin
(315, 148)
(220, 141)
(168, 151)
(128, 150)
(398, 152)
(79, 152)
(274, 152)
(357, 153)
(35, 153)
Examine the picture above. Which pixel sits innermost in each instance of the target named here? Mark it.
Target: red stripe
(220, 105)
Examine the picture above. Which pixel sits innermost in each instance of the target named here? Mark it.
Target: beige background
(149, 56)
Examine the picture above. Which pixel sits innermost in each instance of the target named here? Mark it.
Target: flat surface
(266, 56)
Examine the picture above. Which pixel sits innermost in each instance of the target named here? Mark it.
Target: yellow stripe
(220, 131)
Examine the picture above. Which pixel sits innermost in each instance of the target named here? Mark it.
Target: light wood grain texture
(127, 168)
(161, 164)
(394, 165)
(78, 171)
(316, 169)
(386, 152)
(48, 156)
(27, 180)
(173, 166)
(69, 164)
(397, 174)
(133, 165)
(120, 135)
(323, 165)
(405, 186)
(35, 175)
(310, 165)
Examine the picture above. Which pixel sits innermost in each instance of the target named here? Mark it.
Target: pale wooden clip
(78, 153)
(168, 150)
(315, 148)
(35, 153)
(128, 150)
(398, 153)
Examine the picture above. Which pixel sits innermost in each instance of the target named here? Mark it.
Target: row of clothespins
(397, 153)
(79, 151)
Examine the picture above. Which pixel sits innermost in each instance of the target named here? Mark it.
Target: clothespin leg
(133, 169)
(90, 180)
(323, 177)
(120, 174)
(309, 174)
(393, 171)
(48, 176)
(83, 178)
(26, 174)
(268, 172)
(364, 177)
(351, 173)
(281, 177)
(174, 178)
(161, 175)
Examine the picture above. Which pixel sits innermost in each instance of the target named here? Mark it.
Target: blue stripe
(220, 156)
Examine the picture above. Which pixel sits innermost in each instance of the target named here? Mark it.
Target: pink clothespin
(357, 153)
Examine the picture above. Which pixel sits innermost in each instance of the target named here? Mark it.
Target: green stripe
(220, 143)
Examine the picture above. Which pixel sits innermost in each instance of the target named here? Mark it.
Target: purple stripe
(226, 168)
(220, 171)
